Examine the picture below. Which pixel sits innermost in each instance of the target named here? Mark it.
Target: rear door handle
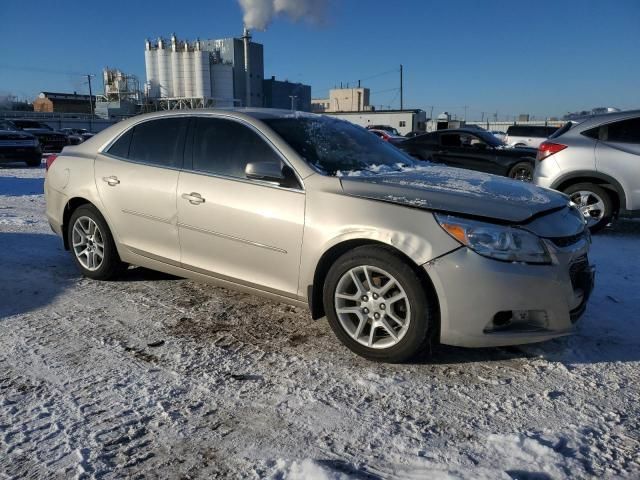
(112, 180)
(194, 198)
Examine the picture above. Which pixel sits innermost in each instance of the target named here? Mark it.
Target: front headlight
(496, 241)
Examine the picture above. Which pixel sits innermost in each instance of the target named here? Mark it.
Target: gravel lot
(154, 376)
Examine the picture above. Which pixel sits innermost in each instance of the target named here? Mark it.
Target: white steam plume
(259, 13)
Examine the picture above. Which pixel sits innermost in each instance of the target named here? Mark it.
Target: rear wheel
(594, 202)
(92, 245)
(522, 171)
(377, 305)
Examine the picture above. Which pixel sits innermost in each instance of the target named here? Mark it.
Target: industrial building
(343, 100)
(404, 121)
(286, 95)
(122, 96)
(205, 73)
(62, 103)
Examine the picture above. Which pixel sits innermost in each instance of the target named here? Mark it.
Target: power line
(39, 70)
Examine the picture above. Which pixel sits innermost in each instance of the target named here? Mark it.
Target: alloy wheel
(590, 205)
(523, 174)
(88, 243)
(372, 307)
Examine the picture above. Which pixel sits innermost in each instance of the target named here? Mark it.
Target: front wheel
(92, 245)
(377, 305)
(594, 202)
(522, 171)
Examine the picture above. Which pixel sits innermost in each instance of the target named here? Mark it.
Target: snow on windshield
(331, 145)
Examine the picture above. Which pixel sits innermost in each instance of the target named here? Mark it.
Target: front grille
(564, 242)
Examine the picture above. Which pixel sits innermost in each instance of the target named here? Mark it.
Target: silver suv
(596, 163)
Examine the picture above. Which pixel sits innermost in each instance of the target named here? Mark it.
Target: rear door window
(121, 147)
(625, 131)
(159, 142)
(450, 140)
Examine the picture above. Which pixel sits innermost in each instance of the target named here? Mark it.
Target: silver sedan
(316, 211)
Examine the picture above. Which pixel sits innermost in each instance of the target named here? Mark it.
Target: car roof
(596, 120)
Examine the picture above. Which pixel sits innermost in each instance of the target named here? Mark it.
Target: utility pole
(89, 75)
(465, 112)
(401, 90)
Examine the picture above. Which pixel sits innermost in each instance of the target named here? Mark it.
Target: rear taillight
(546, 149)
(50, 160)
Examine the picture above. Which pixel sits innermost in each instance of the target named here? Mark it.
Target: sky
(544, 58)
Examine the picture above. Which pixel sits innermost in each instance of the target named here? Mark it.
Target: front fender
(333, 219)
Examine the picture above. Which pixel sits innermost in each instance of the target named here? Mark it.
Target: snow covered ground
(154, 376)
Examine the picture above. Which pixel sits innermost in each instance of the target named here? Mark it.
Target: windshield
(4, 125)
(488, 138)
(337, 147)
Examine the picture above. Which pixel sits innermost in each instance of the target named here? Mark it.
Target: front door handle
(112, 180)
(194, 198)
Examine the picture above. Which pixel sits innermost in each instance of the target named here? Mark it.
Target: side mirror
(267, 171)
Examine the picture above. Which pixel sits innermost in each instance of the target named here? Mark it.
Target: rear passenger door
(618, 156)
(235, 228)
(137, 178)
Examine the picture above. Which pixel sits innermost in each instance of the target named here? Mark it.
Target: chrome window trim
(135, 162)
(109, 144)
(250, 181)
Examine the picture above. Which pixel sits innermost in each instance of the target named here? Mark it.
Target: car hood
(508, 151)
(14, 135)
(456, 191)
(43, 131)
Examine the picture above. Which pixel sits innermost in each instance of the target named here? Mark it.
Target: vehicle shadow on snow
(18, 186)
(141, 274)
(34, 270)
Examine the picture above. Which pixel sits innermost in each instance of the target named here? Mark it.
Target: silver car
(317, 212)
(596, 163)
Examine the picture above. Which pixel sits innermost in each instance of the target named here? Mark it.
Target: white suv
(596, 163)
(528, 135)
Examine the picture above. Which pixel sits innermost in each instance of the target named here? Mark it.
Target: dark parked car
(77, 135)
(18, 146)
(51, 141)
(473, 150)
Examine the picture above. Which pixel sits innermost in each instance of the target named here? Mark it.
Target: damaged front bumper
(485, 302)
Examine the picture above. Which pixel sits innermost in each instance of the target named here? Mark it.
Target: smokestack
(246, 39)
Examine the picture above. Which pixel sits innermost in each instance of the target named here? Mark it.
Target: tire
(522, 171)
(417, 306)
(33, 162)
(594, 202)
(110, 265)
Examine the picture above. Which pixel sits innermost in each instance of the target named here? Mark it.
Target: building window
(402, 123)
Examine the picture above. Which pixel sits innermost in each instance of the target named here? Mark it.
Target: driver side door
(238, 229)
